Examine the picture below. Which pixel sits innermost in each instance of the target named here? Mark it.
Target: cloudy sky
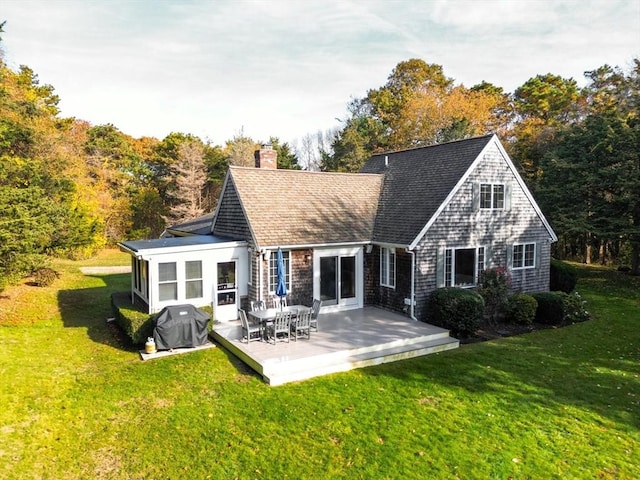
(287, 68)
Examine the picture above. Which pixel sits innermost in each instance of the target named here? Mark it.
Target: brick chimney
(266, 157)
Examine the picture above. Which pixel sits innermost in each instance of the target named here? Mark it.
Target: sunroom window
(168, 281)
(193, 274)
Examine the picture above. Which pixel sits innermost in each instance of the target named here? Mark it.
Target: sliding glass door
(339, 277)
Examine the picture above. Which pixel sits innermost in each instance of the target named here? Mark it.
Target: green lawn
(76, 403)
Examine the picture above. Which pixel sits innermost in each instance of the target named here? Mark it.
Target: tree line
(577, 148)
(69, 188)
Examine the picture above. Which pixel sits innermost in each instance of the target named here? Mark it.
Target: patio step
(281, 373)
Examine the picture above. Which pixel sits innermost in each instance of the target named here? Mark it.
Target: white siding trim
(526, 191)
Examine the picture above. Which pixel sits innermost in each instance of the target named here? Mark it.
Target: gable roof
(297, 208)
(417, 183)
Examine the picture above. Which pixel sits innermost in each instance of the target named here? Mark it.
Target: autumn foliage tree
(419, 105)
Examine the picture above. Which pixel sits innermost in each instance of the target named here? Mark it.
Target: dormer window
(492, 196)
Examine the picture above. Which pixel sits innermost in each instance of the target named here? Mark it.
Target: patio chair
(277, 302)
(257, 305)
(315, 310)
(301, 327)
(250, 331)
(279, 329)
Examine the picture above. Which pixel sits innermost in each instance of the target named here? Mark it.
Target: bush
(521, 308)
(550, 309)
(136, 324)
(456, 309)
(563, 277)
(493, 286)
(575, 308)
(43, 277)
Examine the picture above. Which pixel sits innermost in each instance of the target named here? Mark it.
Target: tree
(545, 105)
(286, 158)
(45, 207)
(590, 175)
(419, 105)
(190, 178)
(240, 149)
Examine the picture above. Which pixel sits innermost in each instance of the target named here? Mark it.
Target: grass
(76, 403)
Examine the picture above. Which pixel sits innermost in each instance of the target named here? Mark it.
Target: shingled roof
(294, 207)
(416, 183)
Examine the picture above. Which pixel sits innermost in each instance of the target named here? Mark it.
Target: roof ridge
(314, 172)
(401, 150)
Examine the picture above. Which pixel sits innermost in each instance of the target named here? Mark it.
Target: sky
(288, 68)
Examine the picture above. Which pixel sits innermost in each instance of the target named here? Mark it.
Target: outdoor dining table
(269, 314)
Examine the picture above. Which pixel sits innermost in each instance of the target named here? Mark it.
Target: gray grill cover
(180, 326)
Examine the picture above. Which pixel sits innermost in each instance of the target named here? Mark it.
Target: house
(410, 222)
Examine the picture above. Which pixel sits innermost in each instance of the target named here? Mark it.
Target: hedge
(521, 308)
(136, 324)
(456, 309)
(563, 277)
(550, 309)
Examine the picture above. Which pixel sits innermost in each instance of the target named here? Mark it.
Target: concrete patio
(345, 340)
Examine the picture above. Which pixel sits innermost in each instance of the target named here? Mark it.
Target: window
(524, 256)
(388, 267)
(168, 281)
(140, 276)
(462, 265)
(273, 270)
(193, 274)
(492, 196)
(250, 260)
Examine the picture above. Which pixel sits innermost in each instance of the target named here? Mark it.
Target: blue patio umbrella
(281, 288)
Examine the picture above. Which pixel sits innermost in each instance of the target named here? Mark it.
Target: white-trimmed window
(250, 260)
(140, 276)
(524, 256)
(167, 281)
(273, 270)
(193, 276)
(462, 265)
(492, 196)
(388, 267)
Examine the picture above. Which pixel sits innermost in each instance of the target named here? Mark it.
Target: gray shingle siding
(416, 183)
(230, 220)
(460, 226)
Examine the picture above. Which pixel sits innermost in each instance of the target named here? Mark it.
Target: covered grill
(180, 326)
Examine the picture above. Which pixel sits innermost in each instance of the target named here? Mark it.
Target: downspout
(261, 262)
(413, 286)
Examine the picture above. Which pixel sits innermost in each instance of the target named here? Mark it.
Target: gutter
(133, 253)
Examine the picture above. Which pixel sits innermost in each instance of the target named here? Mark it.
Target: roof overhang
(144, 249)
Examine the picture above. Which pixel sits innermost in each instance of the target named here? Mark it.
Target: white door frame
(357, 252)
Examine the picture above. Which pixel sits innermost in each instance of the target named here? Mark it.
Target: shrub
(521, 309)
(550, 309)
(457, 309)
(563, 277)
(575, 308)
(136, 324)
(43, 277)
(493, 286)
